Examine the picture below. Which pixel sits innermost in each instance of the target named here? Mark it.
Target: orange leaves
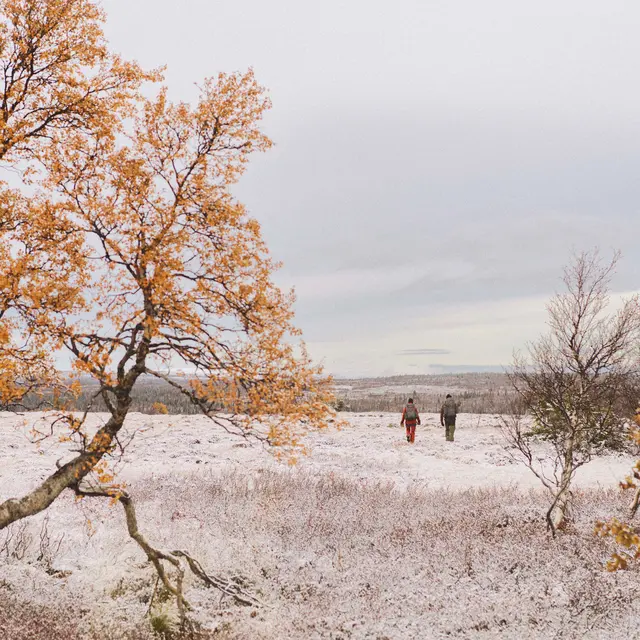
(229, 111)
(626, 537)
(101, 443)
(59, 79)
(617, 563)
(134, 255)
(623, 533)
(169, 246)
(103, 474)
(89, 528)
(198, 149)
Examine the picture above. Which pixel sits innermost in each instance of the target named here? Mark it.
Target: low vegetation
(331, 557)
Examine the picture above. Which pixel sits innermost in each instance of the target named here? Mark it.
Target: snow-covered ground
(367, 537)
(372, 447)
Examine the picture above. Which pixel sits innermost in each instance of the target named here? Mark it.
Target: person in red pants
(410, 418)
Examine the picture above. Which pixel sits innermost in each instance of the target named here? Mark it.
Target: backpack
(450, 408)
(410, 412)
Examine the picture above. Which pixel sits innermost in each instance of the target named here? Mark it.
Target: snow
(371, 447)
(417, 542)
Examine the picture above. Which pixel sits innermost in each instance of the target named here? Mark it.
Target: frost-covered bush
(332, 557)
(20, 620)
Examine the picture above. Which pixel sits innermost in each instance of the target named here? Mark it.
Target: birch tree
(577, 383)
(127, 252)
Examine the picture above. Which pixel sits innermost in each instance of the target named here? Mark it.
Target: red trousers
(411, 431)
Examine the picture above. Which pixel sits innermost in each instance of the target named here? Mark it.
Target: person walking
(448, 414)
(410, 418)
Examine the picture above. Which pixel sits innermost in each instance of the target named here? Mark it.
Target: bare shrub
(27, 540)
(48, 545)
(327, 551)
(333, 556)
(16, 541)
(22, 620)
(579, 383)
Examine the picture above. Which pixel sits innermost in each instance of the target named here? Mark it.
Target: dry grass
(20, 620)
(337, 558)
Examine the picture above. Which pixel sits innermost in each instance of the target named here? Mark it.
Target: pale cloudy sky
(436, 160)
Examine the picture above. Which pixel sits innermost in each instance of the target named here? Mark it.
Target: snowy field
(368, 537)
(372, 448)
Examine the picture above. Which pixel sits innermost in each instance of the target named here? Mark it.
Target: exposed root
(228, 587)
(173, 585)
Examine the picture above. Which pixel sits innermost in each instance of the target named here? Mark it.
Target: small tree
(131, 255)
(578, 382)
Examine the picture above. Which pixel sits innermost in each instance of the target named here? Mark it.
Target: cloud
(432, 212)
(424, 352)
(350, 283)
(475, 336)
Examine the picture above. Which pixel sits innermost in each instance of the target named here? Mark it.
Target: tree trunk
(66, 476)
(559, 512)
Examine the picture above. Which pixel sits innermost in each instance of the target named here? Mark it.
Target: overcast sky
(435, 164)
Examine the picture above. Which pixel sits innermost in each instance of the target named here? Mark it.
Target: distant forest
(475, 392)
